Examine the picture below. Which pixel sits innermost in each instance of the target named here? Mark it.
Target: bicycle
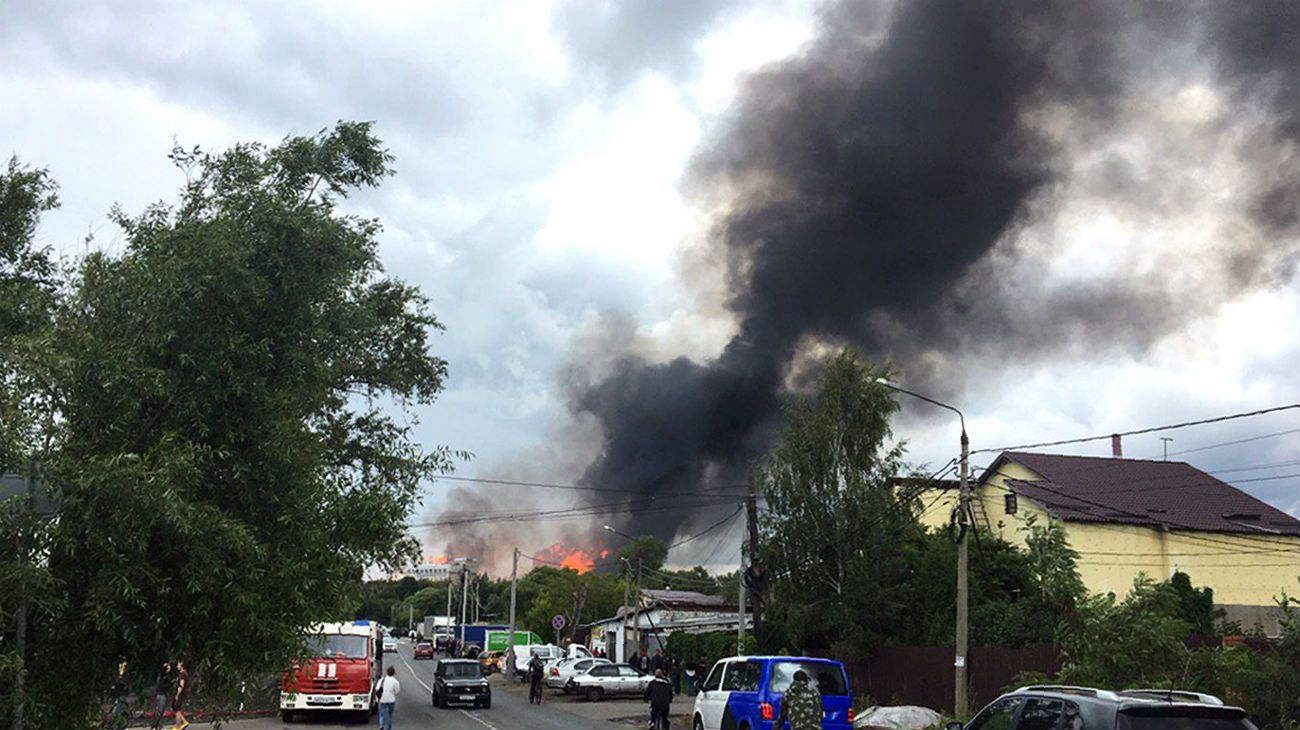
(658, 722)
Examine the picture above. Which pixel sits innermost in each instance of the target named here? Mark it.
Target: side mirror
(954, 725)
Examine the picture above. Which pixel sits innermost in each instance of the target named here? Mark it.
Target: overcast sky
(541, 149)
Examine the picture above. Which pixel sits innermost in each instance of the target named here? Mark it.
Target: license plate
(466, 697)
(324, 700)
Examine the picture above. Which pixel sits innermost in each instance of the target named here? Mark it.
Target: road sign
(557, 622)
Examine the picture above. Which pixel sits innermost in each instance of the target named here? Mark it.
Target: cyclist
(535, 670)
(659, 693)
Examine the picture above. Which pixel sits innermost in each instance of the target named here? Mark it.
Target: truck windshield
(337, 646)
(826, 678)
(1174, 719)
(462, 670)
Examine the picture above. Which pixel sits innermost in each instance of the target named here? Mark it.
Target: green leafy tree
(836, 534)
(647, 551)
(223, 455)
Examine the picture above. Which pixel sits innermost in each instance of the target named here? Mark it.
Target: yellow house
(1131, 516)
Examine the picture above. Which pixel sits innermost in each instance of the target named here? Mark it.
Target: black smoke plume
(882, 187)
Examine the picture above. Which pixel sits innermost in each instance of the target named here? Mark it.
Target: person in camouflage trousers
(801, 705)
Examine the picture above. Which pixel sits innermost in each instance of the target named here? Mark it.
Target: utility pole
(963, 509)
(755, 568)
(621, 649)
(1166, 440)
(637, 598)
(410, 617)
(510, 637)
(740, 612)
(579, 598)
(464, 599)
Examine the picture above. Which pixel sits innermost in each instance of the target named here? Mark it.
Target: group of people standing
(170, 691)
(668, 666)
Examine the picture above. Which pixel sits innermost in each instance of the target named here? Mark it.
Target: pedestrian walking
(179, 695)
(660, 696)
(801, 705)
(119, 697)
(675, 671)
(162, 695)
(387, 688)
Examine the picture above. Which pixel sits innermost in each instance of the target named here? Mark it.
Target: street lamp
(963, 507)
(607, 528)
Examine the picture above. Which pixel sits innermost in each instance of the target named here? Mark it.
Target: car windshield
(826, 678)
(462, 670)
(336, 646)
(1175, 720)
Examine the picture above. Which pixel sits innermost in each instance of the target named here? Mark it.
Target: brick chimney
(1116, 447)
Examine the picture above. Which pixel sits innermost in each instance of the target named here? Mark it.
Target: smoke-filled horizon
(913, 184)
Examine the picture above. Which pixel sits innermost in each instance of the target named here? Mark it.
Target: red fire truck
(341, 665)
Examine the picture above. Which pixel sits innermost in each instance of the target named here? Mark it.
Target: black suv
(460, 680)
(1057, 707)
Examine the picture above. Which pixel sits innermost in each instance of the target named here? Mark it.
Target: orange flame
(574, 559)
(604, 554)
(438, 559)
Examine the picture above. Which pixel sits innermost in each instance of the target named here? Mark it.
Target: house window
(1009, 504)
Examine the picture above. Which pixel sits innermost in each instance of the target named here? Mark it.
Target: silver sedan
(603, 680)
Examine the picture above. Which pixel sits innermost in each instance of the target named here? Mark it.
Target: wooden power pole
(756, 579)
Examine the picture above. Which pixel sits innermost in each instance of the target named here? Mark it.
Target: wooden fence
(923, 675)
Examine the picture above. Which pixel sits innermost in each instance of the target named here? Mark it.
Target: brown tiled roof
(1168, 494)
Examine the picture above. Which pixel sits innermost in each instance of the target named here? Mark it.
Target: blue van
(744, 692)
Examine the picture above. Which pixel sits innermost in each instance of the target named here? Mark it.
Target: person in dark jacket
(660, 696)
(801, 705)
(657, 662)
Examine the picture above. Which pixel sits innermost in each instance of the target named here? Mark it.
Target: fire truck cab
(341, 665)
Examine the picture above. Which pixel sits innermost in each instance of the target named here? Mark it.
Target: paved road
(510, 709)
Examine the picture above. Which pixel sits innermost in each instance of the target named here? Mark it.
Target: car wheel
(699, 724)
(286, 716)
(595, 694)
(487, 704)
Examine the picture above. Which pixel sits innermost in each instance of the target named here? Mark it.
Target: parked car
(490, 661)
(1046, 707)
(746, 692)
(424, 649)
(604, 680)
(561, 672)
(460, 680)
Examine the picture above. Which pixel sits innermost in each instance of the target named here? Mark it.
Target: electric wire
(1135, 432)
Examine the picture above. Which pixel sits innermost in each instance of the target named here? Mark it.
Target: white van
(524, 653)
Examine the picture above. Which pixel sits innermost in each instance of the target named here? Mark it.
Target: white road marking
(413, 674)
(478, 719)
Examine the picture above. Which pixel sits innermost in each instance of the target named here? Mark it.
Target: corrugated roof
(1169, 494)
(682, 598)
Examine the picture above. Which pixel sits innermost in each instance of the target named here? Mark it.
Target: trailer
(497, 639)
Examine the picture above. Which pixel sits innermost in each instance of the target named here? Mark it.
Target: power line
(577, 487)
(1153, 429)
(708, 529)
(1239, 441)
(567, 513)
(1274, 465)
(1184, 529)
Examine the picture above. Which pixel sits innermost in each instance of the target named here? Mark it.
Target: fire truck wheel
(287, 716)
